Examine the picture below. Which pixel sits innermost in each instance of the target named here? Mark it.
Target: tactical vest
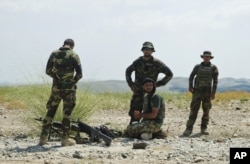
(204, 77)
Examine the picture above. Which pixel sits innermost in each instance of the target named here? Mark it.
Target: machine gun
(77, 126)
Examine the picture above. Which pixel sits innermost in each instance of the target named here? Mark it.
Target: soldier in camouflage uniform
(64, 67)
(151, 117)
(203, 88)
(145, 66)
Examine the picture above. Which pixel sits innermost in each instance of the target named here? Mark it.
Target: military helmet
(207, 53)
(148, 45)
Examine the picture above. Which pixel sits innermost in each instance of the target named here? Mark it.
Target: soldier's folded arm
(168, 76)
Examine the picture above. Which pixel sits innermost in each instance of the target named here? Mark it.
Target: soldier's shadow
(32, 149)
(195, 135)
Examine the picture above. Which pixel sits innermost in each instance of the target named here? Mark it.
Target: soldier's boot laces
(43, 140)
(187, 132)
(65, 141)
(204, 132)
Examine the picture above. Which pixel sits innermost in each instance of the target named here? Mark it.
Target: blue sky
(109, 35)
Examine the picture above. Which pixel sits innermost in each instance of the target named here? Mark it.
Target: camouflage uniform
(148, 125)
(65, 68)
(145, 69)
(205, 85)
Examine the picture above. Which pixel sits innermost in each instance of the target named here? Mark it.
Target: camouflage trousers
(136, 103)
(69, 98)
(135, 130)
(198, 99)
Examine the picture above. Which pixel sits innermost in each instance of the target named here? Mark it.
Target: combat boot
(66, 141)
(204, 132)
(187, 132)
(43, 140)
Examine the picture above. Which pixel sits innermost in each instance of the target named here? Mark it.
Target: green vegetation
(236, 95)
(34, 98)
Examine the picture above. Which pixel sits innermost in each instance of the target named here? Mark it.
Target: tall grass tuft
(35, 97)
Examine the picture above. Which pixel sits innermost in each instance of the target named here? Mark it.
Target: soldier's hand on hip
(133, 88)
(212, 96)
(191, 89)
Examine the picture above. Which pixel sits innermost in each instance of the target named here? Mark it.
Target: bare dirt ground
(229, 127)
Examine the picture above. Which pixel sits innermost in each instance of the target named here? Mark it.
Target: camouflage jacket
(148, 69)
(204, 77)
(64, 67)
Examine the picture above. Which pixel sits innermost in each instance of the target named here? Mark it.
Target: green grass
(34, 98)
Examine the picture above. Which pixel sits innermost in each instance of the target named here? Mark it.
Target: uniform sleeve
(49, 66)
(215, 79)
(156, 102)
(168, 74)
(192, 75)
(78, 68)
(128, 74)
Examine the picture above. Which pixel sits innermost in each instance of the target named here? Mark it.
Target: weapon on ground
(94, 134)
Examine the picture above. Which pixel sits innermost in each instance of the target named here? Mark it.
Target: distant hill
(177, 84)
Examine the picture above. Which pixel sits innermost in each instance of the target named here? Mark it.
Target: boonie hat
(148, 45)
(207, 53)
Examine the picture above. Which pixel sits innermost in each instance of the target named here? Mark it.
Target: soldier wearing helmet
(145, 66)
(203, 82)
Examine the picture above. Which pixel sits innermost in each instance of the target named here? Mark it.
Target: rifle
(78, 127)
(93, 133)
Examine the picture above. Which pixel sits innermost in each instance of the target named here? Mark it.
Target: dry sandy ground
(228, 122)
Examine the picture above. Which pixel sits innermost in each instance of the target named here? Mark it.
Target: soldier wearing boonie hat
(203, 82)
(145, 66)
